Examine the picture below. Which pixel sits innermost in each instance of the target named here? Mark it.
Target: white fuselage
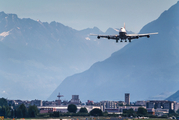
(122, 33)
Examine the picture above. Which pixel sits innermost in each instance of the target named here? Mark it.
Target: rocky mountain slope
(36, 56)
(174, 97)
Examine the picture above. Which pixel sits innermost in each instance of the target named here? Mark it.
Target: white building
(176, 106)
(160, 112)
(108, 105)
(63, 109)
(135, 108)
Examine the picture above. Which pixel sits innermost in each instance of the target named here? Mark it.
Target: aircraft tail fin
(124, 25)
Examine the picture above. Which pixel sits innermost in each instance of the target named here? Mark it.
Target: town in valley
(153, 107)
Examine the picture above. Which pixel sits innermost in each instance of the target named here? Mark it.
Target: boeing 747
(123, 35)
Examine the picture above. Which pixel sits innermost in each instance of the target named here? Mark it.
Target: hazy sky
(81, 14)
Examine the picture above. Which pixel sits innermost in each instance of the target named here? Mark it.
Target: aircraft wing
(106, 36)
(141, 35)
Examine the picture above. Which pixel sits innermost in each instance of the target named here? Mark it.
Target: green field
(87, 118)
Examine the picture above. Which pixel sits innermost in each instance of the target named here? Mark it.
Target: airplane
(123, 35)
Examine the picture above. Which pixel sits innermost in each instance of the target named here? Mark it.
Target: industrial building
(75, 100)
(161, 104)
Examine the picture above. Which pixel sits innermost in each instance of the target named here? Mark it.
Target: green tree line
(17, 111)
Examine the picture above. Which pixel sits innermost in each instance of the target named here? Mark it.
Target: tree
(72, 108)
(171, 111)
(5, 110)
(142, 111)
(83, 110)
(22, 111)
(15, 113)
(177, 111)
(33, 111)
(3, 102)
(96, 112)
(2, 111)
(129, 112)
(56, 114)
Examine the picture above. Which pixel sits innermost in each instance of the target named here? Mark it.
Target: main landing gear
(129, 39)
(117, 40)
(125, 40)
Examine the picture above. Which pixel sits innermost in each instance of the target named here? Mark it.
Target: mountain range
(144, 68)
(36, 56)
(174, 97)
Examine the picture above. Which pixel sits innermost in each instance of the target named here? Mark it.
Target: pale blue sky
(81, 14)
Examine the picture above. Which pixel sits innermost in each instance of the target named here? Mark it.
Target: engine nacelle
(98, 37)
